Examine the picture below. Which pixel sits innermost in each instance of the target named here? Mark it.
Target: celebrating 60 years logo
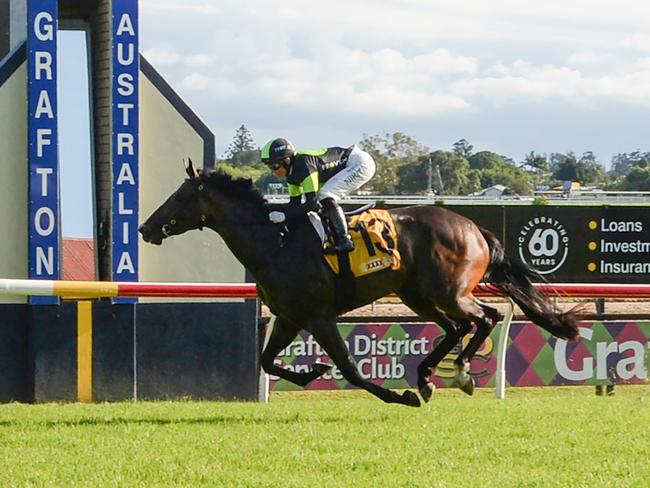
(544, 244)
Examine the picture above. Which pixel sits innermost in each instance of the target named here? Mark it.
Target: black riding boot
(339, 226)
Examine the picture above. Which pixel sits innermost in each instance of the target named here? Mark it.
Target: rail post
(501, 351)
(264, 385)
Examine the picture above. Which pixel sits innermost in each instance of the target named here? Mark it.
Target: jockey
(321, 175)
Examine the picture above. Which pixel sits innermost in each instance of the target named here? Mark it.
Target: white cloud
(582, 58)
(643, 64)
(413, 62)
(638, 40)
(161, 56)
(355, 81)
(164, 57)
(522, 82)
(469, 20)
(196, 81)
(185, 6)
(198, 60)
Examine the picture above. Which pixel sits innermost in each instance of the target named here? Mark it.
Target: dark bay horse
(444, 257)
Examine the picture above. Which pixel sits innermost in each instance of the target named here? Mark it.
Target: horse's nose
(144, 230)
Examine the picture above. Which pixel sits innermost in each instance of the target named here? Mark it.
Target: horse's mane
(241, 188)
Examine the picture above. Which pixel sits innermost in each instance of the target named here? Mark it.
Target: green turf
(535, 437)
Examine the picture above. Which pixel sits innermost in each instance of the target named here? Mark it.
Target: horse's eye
(200, 187)
(172, 221)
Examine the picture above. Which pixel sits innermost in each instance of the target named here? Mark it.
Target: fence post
(264, 377)
(501, 351)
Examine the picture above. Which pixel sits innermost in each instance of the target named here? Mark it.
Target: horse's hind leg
(485, 318)
(454, 331)
(327, 335)
(282, 335)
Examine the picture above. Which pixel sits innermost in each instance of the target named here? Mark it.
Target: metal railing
(101, 289)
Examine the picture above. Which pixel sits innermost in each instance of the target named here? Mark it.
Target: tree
(564, 166)
(493, 169)
(390, 152)
(537, 167)
(264, 179)
(453, 170)
(385, 180)
(629, 171)
(402, 146)
(394, 146)
(623, 163)
(585, 170)
(242, 151)
(473, 184)
(517, 181)
(251, 172)
(463, 148)
(242, 141)
(414, 178)
(637, 179)
(484, 160)
(535, 163)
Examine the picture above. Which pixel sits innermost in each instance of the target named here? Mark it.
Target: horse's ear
(190, 169)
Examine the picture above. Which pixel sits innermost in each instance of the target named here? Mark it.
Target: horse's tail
(515, 279)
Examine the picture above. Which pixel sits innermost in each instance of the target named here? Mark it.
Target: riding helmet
(277, 149)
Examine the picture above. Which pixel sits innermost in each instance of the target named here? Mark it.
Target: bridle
(166, 229)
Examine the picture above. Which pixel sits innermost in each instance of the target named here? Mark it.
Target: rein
(167, 228)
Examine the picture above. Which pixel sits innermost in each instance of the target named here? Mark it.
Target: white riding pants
(360, 168)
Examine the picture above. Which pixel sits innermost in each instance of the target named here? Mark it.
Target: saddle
(375, 245)
(375, 248)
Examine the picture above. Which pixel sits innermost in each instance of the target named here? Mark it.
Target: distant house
(570, 188)
(494, 191)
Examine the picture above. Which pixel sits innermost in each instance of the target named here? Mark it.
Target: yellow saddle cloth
(375, 244)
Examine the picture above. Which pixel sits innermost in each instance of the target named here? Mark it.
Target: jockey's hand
(277, 217)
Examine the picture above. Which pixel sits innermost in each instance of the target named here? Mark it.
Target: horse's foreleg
(282, 335)
(328, 336)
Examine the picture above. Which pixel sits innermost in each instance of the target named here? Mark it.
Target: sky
(509, 76)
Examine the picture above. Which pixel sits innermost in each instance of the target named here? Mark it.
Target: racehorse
(444, 257)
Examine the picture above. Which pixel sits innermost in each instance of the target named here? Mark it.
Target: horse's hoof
(426, 391)
(411, 399)
(321, 368)
(468, 387)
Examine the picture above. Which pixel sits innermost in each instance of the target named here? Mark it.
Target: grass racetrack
(566, 437)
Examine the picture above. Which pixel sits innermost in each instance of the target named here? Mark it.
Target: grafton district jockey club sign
(388, 355)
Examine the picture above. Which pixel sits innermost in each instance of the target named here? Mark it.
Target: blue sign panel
(125, 141)
(42, 134)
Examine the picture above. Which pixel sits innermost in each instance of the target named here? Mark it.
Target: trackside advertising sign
(388, 355)
(604, 244)
(44, 229)
(572, 243)
(125, 142)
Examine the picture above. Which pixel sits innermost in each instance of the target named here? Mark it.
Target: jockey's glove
(277, 217)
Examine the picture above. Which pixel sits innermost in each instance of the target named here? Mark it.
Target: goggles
(274, 165)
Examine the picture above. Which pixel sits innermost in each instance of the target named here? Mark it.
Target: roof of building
(78, 259)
